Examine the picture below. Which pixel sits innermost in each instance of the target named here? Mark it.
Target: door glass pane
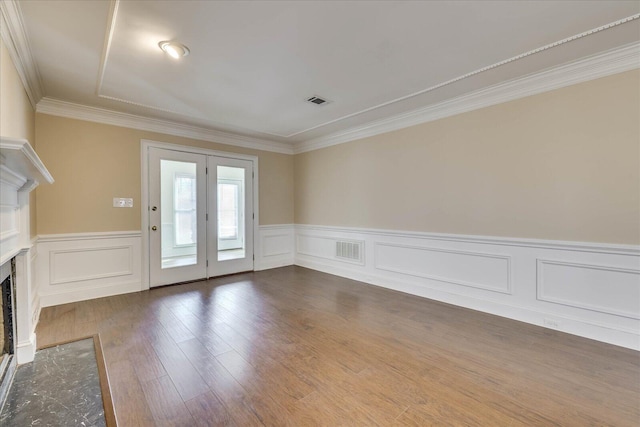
(184, 198)
(228, 211)
(179, 226)
(231, 238)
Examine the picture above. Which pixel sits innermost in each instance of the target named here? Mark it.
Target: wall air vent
(349, 251)
(317, 100)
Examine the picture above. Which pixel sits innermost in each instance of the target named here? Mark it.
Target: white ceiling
(253, 64)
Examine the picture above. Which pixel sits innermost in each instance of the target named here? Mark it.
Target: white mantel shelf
(18, 156)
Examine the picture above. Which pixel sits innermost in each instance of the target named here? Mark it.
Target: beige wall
(563, 165)
(17, 118)
(93, 163)
(16, 114)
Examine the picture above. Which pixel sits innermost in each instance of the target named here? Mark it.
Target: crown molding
(614, 61)
(481, 70)
(108, 38)
(604, 64)
(14, 35)
(611, 62)
(72, 110)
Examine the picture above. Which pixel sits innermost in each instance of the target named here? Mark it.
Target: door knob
(155, 208)
(154, 228)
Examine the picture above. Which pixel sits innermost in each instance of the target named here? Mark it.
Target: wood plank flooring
(296, 347)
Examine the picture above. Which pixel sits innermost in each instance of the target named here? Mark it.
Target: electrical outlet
(552, 323)
(122, 202)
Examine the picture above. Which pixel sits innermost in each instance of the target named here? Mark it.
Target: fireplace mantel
(21, 171)
(19, 156)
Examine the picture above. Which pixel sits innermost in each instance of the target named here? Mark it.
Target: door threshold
(178, 283)
(201, 280)
(230, 274)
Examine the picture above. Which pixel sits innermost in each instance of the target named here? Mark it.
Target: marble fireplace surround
(21, 171)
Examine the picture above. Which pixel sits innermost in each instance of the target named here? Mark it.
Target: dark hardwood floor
(296, 347)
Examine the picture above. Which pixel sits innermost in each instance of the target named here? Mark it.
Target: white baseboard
(26, 305)
(87, 293)
(275, 246)
(26, 350)
(586, 289)
(81, 266)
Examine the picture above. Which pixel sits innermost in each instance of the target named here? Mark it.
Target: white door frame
(145, 144)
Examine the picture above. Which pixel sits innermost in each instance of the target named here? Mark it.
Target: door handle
(154, 228)
(155, 208)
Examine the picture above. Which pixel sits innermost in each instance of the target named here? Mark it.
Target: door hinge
(254, 257)
(207, 215)
(253, 216)
(207, 263)
(206, 171)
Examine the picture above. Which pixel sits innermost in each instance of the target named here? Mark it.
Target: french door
(200, 216)
(230, 241)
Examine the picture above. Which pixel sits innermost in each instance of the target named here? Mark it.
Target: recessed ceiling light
(174, 49)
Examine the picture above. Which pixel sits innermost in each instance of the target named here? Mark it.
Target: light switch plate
(119, 202)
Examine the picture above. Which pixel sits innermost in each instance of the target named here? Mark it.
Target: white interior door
(230, 233)
(177, 216)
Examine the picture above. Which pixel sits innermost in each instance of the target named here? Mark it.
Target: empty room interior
(320, 213)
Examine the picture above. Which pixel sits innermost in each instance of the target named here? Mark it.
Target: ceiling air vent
(317, 100)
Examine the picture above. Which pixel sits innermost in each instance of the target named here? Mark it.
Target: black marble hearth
(61, 387)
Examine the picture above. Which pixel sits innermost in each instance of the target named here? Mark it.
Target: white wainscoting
(482, 270)
(586, 289)
(81, 266)
(606, 289)
(275, 246)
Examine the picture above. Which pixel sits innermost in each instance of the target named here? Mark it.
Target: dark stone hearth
(61, 387)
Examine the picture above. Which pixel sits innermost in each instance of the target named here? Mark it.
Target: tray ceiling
(253, 65)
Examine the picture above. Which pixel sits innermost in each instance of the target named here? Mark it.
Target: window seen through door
(228, 209)
(185, 209)
(231, 212)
